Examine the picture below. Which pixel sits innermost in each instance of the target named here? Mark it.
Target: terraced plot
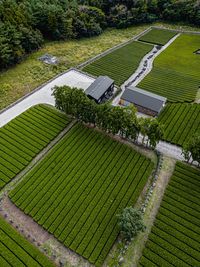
(25, 136)
(76, 191)
(174, 238)
(16, 251)
(120, 64)
(158, 36)
(180, 122)
(175, 74)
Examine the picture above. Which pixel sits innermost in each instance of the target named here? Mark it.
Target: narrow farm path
(34, 233)
(134, 251)
(144, 68)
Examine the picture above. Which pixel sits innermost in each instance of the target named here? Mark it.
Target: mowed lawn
(174, 238)
(76, 191)
(25, 136)
(158, 36)
(121, 63)
(175, 74)
(15, 250)
(180, 121)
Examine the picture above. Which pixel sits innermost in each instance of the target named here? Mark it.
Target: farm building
(145, 102)
(101, 89)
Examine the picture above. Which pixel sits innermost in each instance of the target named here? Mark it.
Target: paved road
(71, 78)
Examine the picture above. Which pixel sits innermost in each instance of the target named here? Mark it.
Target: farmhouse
(100, 89)
(145, 102)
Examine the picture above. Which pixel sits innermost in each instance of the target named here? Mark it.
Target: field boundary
(173, 30)
(38, 236)
(110, 50)
(35, 160)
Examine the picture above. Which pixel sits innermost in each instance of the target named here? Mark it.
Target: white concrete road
(71, 78)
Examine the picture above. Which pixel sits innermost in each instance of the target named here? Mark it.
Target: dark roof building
(146, 102)
(100, 88)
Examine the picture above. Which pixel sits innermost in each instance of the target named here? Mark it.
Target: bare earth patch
(34, 233)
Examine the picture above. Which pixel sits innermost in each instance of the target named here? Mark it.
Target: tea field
(121, 63)
(25, 136)
(174, 238)
(175, 74)
(180, 122)
(76, 191)
(16, 251)
(158, 36)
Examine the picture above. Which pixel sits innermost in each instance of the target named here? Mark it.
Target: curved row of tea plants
(158, 36)
(174, 238)
(121, 63)
(175, 74)
(25, 136)
(76, 191)
(17, 251)
(180, 122)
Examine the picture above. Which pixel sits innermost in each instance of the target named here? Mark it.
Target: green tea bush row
(121, 63)
(158, 36)
(25, 136)
(16, 251)
(175, 74)
(174, 238)
(77, 190)
(180, 122)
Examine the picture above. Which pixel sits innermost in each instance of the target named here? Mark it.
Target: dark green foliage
(115, 120)
(130, 223)
(17, 251)
(192, 148)
(25, 136)
(24, 23)
(76, 191)
(174, 238)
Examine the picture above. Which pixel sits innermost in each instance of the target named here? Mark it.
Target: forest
(26, 24)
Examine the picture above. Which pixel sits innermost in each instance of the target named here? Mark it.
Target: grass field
(25, 136)
(77, 190)
(17, 251)
(157, 36)
(26, 76)
(176, 71)
(180, 122)
(174, 238)
(121, 63)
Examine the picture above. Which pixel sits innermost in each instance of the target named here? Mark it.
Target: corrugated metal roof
(99, 87)
(144, 98)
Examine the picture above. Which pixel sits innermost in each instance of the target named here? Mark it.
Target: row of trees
(25, 23)
(191, 150)
(115, 120)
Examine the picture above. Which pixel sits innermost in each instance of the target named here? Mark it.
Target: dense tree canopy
(25, 23)
(115, 120)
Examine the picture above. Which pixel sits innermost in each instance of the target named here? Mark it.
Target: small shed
(100, 89)
(145, 102)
